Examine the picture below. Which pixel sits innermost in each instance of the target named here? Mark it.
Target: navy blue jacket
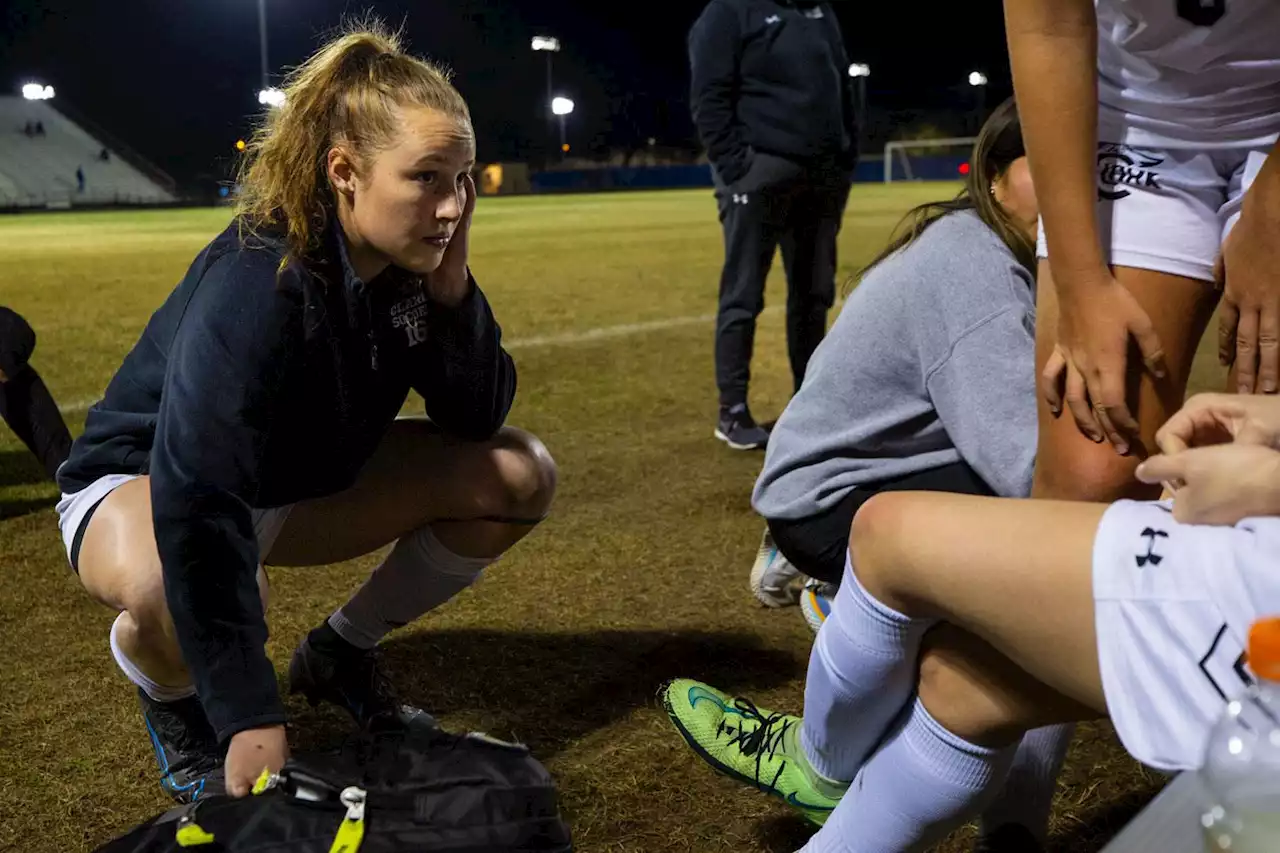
(771, 75)
(254, 387)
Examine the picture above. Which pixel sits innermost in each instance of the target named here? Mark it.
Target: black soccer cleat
(186, 748)
(356, 684)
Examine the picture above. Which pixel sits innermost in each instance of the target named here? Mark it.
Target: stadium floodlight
(549, 47)
(562, 107)
(36, 92)
(977, 78)
(859, 69)
(271, 97)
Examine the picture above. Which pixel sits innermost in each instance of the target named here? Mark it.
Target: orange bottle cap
(1264, 649)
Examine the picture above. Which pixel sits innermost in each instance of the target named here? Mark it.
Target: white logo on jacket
(411, 315)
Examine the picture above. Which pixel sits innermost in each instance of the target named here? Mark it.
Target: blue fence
(870, 170)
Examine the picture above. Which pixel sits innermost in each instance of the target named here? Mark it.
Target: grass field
(639, 575)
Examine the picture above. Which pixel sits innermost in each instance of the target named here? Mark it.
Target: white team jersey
(1190, 73)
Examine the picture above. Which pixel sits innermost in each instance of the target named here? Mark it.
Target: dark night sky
(177, 79)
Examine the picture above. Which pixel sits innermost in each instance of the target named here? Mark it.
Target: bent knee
(141, 595)
(1090, 472)
(875, 541)
(17, 341)
(527, 474)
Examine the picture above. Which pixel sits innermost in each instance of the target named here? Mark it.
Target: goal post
(898, 151)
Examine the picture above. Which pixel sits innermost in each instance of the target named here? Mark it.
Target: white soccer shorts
(1167, 209)
(1174, 604)
(72, 509)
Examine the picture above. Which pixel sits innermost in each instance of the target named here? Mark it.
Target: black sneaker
(186, 748)
(739, 430)
(356, 684)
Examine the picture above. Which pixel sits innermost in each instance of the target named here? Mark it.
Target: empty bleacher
(40, 169)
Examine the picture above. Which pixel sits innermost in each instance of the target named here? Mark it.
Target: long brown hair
(347, 93)
(999, 144)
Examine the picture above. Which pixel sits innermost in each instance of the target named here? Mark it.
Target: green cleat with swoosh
(751, 745)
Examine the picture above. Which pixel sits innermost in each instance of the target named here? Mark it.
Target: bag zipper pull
(191, 834)
(351, 832)
(266, 782)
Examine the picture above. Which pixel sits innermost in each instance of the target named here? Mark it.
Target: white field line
(602, 333)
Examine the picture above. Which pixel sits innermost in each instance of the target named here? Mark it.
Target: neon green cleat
(750, 744)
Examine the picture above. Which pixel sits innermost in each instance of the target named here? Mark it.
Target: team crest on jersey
(1121, 167)
(410, 314)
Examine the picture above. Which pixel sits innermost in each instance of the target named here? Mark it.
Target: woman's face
(1017, 195)
(403, 206)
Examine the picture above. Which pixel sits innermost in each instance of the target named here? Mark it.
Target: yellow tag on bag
(351, 831)
(191, 834)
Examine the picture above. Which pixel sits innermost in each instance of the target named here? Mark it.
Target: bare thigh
(1069, 466)
(1016, 573)
(417, 476)
(119, 562)
(981, 695)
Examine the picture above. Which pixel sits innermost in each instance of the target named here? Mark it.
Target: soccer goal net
(927, 159)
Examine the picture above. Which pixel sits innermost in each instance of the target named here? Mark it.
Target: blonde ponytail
(345, 94)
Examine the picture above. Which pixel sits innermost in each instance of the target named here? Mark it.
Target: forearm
(210, 563)
(465, 376)
(1053, 53)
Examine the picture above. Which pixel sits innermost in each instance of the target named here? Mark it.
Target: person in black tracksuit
(25, 402)
(256, 421)
(774, 107)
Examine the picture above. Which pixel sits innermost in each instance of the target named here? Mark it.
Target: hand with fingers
(1098, 323)
(450, 282)
(250, 752)
(1220, 457)
(1248, 271)
(1210, 419)
(1219, 484)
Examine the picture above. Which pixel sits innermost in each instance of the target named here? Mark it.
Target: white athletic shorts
(1167, 209)
(74, 510)
(1174, 604)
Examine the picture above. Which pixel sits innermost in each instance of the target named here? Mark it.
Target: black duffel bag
(383, 793)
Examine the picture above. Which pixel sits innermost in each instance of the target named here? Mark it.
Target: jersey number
(1202, 13)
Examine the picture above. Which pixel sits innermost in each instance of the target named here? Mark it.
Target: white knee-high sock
(862, 671)
(157, 691)
(1027, 795)
(418, 575)
(922, 784)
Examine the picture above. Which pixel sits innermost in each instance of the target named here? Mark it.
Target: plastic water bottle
(1241, 769)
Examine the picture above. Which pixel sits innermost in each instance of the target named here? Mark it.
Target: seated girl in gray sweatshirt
(925, 382)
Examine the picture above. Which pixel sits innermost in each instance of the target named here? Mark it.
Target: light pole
(562, 107)
(978, 80)
(269, 96)
(860, 71)
(262, 41)
(549, 46)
